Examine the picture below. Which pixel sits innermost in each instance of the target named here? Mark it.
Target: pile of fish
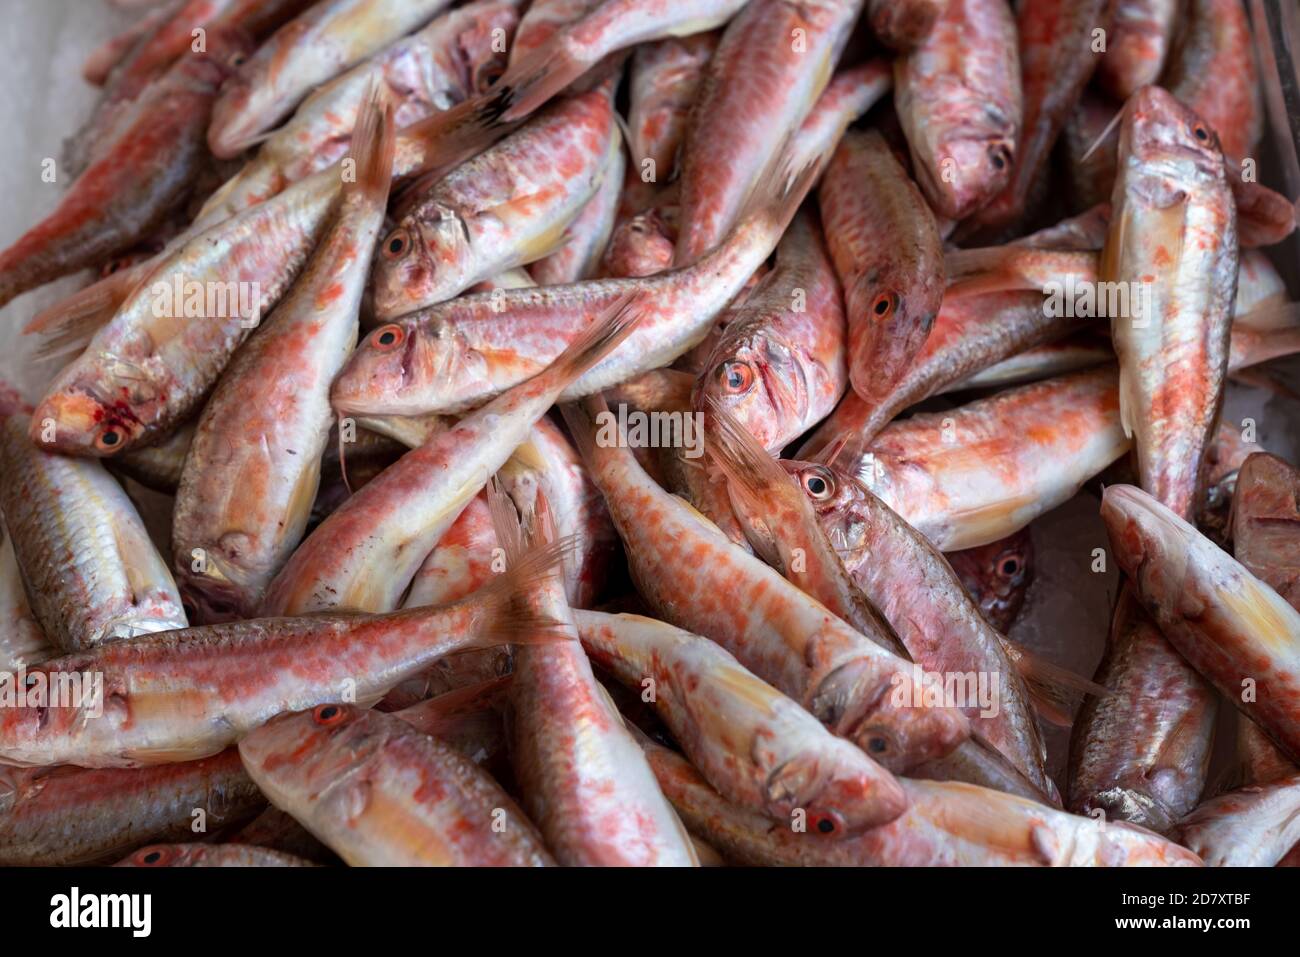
(607, 432)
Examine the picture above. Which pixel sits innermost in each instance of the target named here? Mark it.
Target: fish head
(91, 412)
(897, 728)
(211, 598)
(1168, 140)
(641, 246)
(165, 855)
(759, 380)
(393, 370)
(1268, 488)
(971, 164)
(425, 259)
(836, 497)
(485, 56)
(237, 114)
(838, 787)
(893, 317)
(65, 701)
(997, 575)
(303, 753)
(252, 100)
(1148, 538)
(225, 49)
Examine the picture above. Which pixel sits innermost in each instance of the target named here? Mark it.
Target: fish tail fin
(518, 534)
(455, 135)
(1009, 268)
(503, 619)
(531, 530)
(538, 76)
(1052, 689)
(781, 189)
(81, 313)
(374, 142)
(506, 521)
(582, 418)
(1277, 335)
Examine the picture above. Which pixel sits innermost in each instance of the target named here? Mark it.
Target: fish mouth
(68, 422)
(347, 394)
(874, 373)
(400, 288)
(1143, 524)
(390, 300)
(370, 386)
(232, 131)
(209, 602)
(932, 187)
(381, 390)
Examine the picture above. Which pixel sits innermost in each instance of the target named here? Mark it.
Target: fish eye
(877, 741)
(825, 823)
(1201, 132)
(153, 856)
(327, 715)
(998, 157)
(1009, 566)
(490, 74)
(108, 439)
(398, 244)
(735, 377)
(818, 483)
(388, 337)
(238, 59)
(883, 306)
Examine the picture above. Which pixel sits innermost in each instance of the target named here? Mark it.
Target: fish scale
(92, 573)
(319, 44)
(698, 580)
(506, 207)
(756, 90)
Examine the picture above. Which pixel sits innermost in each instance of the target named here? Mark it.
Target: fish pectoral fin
(752, 690)
(168, 755)
(303, 496)
(1129, 403)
